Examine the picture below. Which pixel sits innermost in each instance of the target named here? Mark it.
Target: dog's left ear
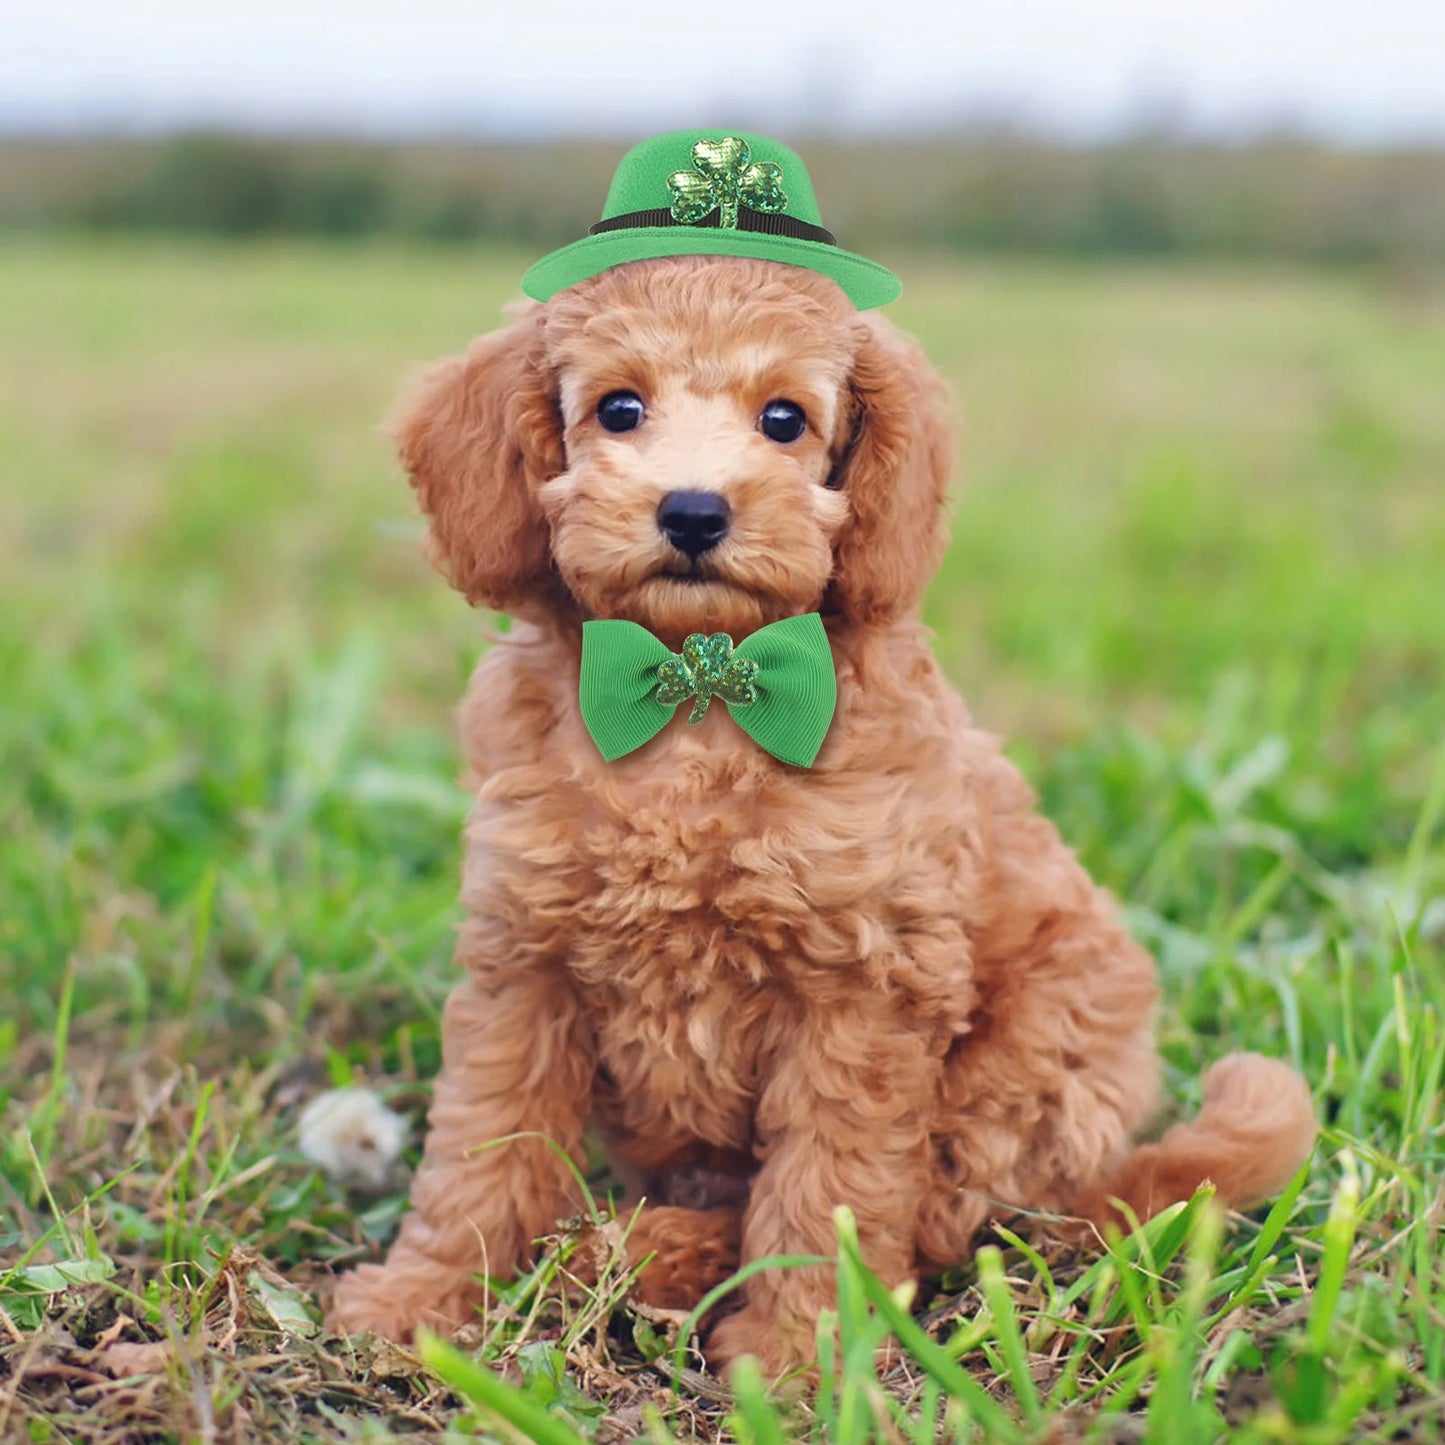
(891, 460)
(477, 440)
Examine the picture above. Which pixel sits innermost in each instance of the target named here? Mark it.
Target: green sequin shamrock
(706, 668)
(724, 176)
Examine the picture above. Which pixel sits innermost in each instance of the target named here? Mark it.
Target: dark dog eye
(621, 411)
(782, 421)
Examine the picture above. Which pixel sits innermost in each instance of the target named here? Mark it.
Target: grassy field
(1196, 577)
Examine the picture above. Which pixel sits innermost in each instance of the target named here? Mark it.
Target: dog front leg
(515, 1060)
(842, 1120)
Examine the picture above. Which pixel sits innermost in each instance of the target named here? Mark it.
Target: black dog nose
(693, 521)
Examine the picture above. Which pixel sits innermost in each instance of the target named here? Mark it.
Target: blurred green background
(1283, 196)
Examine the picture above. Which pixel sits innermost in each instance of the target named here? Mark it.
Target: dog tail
(1256, 1127)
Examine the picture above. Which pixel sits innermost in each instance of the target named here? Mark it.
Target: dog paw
(378, 1300)
(751, 1332)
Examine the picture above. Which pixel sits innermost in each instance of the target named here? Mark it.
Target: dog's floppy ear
(893, 452)
(480, 436)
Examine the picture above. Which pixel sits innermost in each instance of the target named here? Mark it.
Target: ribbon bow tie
(779, 685)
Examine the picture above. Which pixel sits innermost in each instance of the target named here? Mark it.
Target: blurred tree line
(1281, 197)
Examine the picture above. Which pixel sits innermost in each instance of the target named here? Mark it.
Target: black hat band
(748, 220)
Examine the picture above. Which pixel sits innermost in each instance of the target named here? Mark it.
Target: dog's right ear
(478, 439)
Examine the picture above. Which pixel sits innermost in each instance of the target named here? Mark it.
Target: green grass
(1196, 577)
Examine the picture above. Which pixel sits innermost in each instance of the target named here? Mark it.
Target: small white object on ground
(352, 1135)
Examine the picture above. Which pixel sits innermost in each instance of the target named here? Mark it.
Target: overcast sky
(1365, 70)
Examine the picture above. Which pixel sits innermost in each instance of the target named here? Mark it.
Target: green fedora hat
(712, 193)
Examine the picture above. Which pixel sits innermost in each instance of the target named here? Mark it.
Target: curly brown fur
(883, 982)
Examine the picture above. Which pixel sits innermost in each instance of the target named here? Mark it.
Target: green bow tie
(779, 685)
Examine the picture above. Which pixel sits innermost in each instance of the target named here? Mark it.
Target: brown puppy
(884, 982)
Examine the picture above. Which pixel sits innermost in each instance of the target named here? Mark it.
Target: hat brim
(865, 282)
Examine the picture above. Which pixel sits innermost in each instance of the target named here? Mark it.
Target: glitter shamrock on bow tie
(707, 667)
(725, 175)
